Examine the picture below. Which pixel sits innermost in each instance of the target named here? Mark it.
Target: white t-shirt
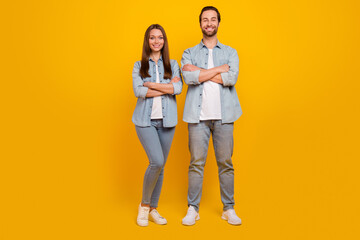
(156, 112)
(211, 103)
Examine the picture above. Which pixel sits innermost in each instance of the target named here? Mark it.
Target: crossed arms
(212, 74)
(149, 89)
(158, 89)
(226, 74)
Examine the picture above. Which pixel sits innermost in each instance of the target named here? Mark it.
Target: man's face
(209, 23)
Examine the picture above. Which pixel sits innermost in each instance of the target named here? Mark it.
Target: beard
(209, 34)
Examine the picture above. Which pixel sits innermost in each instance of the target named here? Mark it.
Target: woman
(156, 81)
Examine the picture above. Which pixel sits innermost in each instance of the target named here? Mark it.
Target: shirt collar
(218, 44)
(153, 60)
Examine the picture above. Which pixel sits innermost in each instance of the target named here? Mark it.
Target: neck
(210, 42)
(155, 55)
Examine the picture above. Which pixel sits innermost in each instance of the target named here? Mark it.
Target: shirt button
(199, 106)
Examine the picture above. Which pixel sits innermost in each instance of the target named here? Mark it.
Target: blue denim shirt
(198, 56)
(142, 113)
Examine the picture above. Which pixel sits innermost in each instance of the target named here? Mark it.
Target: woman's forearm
(166, 88)
(153, 93)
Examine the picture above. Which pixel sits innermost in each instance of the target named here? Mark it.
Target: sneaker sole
(142, 225)
(235, 224)
(152, 220)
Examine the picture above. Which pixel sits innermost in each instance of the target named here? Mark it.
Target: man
(210, 69)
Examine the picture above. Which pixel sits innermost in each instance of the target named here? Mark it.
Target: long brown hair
(146, 54)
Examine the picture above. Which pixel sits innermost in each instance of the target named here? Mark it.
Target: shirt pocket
(222, 58)
(162, 80)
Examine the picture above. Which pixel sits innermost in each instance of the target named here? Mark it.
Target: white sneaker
(191, 217)
(143, 216)
(231, 217)
(157, 218)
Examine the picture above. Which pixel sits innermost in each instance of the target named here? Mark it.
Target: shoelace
(143, 213)
(232, 214)
(191, 210)
(156, 213)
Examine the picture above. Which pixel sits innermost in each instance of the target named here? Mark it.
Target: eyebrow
(156, 35)
(208, 18)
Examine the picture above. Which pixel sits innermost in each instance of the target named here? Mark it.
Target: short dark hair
(207, 8)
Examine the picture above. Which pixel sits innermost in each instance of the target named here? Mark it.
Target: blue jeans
(199, 136)
(156, 141)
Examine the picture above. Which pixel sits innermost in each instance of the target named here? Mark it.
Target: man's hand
(175, 80)
(190, 68)
(148, 84)
(224, 68)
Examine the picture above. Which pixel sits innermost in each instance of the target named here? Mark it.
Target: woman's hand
(148, 84)
(175, 79)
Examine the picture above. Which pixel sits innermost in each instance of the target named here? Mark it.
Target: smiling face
(209, 23)
(156, 40)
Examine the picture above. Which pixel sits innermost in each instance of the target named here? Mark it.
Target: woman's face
(156, 40)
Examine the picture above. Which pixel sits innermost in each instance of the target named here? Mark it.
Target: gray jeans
(199, 136)
(156, 141)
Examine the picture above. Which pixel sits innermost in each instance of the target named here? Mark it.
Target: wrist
(219, 70)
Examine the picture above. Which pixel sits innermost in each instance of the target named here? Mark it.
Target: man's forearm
(208, 74)
(212, 74)
(217, 79)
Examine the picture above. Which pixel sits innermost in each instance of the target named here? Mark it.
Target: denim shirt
(198, 56)
(142, 113)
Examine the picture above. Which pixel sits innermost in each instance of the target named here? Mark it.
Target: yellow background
(71, 163)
